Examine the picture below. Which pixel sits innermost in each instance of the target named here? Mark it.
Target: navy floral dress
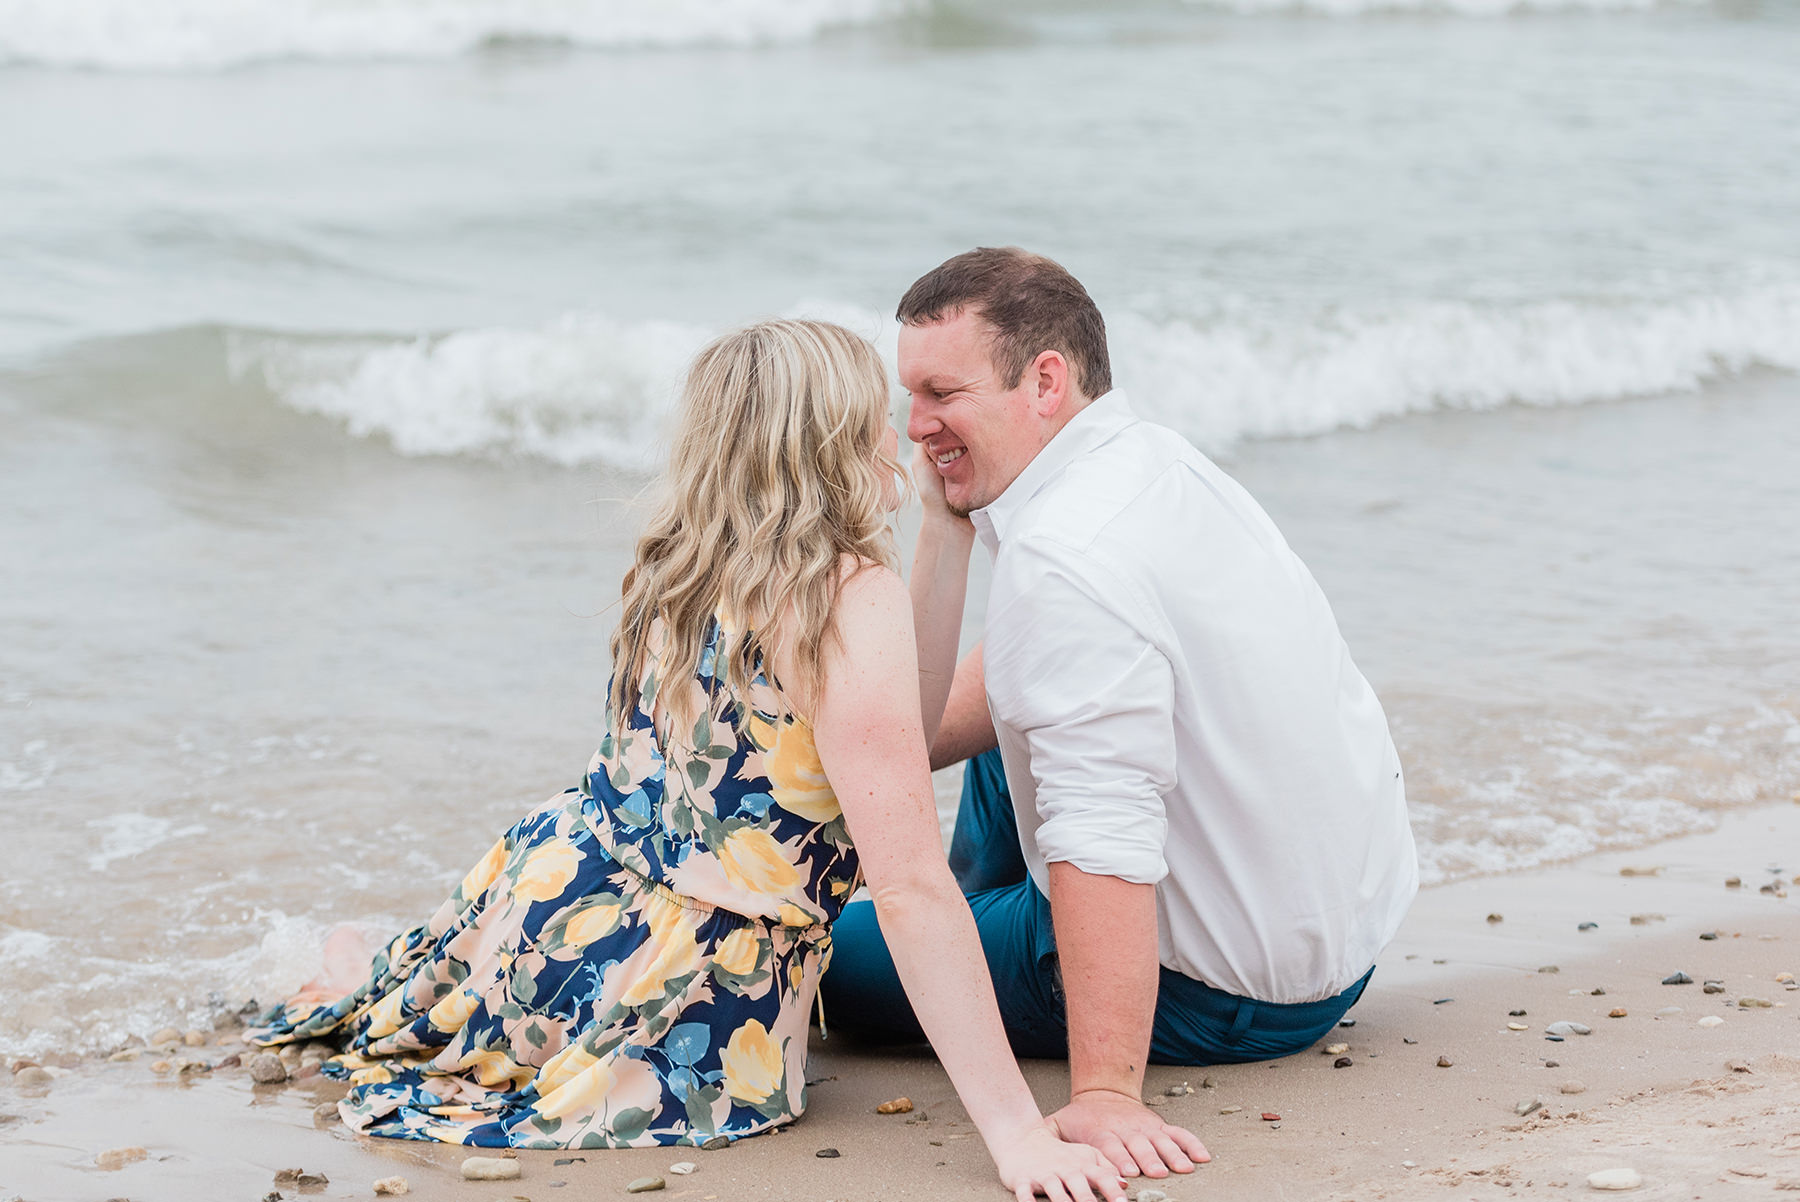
(632, 964)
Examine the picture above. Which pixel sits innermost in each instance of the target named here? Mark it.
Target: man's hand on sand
(1129, 1134)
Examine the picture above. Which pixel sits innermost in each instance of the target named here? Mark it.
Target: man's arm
(968, 728)
(1106, 942)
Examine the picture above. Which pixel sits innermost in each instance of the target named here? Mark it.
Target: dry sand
(1659, 1094)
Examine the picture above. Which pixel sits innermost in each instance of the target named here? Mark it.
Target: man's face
(979, 434)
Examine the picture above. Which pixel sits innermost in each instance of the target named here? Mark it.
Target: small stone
(1552, 1064)
(1515, 1014)
(1530, 1107)
(489, 1168)
(1207, 1083)
(1408, 1040)
(1644, 920)
(1754, 1003)
(1773, 890)
(231, 1061)
(1711, 1020)
(1616, 1012)
(392, 1186)
(1270, 1117)
(33, 1076)
(1346, 1022)
(1517, 1027)
(1568, 1028)
(325, 1113)
(682, 1168)
(122, 1057)
(117, 1158)
(194, 1039)
(1732, 882)
(312, 1182)
(1178, 1091)
(288, 1177)
(1337, 1049)
(1678, 978)
(1443, 1001)
(1549, 968)
(1639, 871)
(166, 1035)
(1784, 978)
(1151, 1195)
(1709, 936)
(1596, 993)
(1615, 1179)
(1229, 1109)
(645, 1185)
(266, 1068)
(1496, 918)
(1713, 987)
(1738, 1066)
(1554, 1038)
(1587, 926)
(897, 1106)
(1443, 1062)
(1342, 1062)
(717, 1143)
(827, 1153)
(160, 1066)
(1572, 1087)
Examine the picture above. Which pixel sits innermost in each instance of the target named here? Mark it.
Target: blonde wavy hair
(777, 472)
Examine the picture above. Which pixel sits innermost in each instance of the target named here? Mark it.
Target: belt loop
(1246, 1011)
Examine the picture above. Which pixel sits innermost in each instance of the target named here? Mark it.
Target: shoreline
(1656, 1093)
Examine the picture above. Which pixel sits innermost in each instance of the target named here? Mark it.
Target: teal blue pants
(1195, 1023)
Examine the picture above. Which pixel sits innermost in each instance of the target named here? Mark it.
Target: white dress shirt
(1176, 707)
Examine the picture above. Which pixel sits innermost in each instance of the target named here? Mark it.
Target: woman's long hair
(777, 472)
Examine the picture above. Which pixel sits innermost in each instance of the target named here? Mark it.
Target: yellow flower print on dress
(752, 1063)
(546, 871)
(791, 761)
(454, 1010)
(483, 874)
(492, 1067)
(580, 1091)
(739, 952)
(676, 945)
(754, 862)
(592, 922)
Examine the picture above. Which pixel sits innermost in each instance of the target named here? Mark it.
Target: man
(1199, 842)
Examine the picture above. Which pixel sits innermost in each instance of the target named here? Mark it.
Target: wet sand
(1659, 1092)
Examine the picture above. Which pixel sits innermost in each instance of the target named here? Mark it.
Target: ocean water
(336, 341)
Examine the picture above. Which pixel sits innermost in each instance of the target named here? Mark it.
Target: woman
(634, 962)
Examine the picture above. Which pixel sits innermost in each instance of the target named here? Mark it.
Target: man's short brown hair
(1033, 305)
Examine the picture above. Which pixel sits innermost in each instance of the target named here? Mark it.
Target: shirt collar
(1102, 418)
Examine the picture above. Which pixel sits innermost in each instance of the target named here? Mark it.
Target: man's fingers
(1144, 1153)
(1188, 1142)
(1053, 1190)
(1023, 1191)
(1171, 1153)
(1078, 1187)
(1114, 1151)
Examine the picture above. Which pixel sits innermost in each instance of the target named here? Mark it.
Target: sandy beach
(1439, 1066)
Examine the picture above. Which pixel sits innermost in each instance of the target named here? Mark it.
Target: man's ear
(1051, 372)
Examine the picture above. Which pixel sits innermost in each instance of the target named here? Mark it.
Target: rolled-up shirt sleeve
(1094, 699)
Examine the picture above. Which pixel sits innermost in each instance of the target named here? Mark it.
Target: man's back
(1171, 694)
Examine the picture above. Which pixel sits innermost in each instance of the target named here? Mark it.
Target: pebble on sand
(1614, 1179)
(1336, 1049)
(489, 1168)
(1713, 987)
(1178, 1091)
(1738, 1066)
(1732, 882)
(1640, 871)
(717, 1143)
(1515, 1014)
(1572, 1087)
(1616, 1012)
(1644, 920)
(828, 1153)
(1496, 918)
(1528, 1107)
(1587, 926)
(1709, 936)
(1678, 978)
(1517, 1027)
(1443, 1062)
(1151, 1195)
(166, 1035)
(118, 1158)
(194, 1039)
(682, 1168)
(1270, 1116)
(266, 1068)
(1711, 1020)
(897, 1106)
(1568, 1028)
(33, 1076)
(644, 1185)
(1342, 1062)
(392, 1186)
(160, 1066)
(1548, 968)
(1784, 978)
(325, 1113)
(1754, 1003)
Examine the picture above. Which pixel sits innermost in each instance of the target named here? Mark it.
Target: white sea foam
(588, 389)
(203, 34)
(1462, 8)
